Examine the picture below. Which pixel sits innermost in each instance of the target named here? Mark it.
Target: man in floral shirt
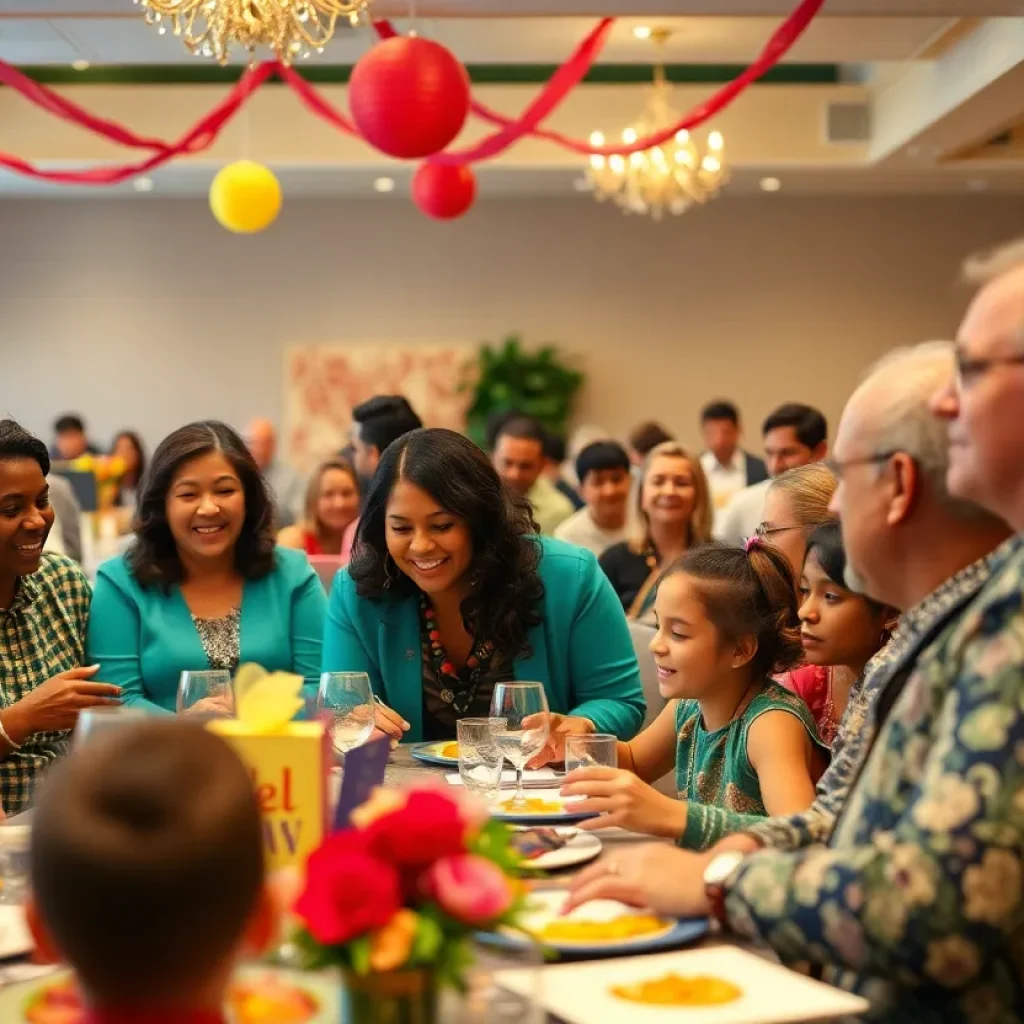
(915, 901)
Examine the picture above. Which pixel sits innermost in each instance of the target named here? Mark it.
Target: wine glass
(206, 693)
(480, 759)
(516, 703)
(345, 702)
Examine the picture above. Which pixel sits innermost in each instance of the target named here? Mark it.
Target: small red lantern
(443, 192)
(409, 97)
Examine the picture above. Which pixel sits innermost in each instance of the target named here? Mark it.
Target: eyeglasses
(766, 532)
(839, 468)
(970, 369)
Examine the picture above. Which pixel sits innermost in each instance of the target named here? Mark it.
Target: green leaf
(359, 952)
(427, 942)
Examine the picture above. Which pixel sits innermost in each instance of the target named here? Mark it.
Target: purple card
(363, 772)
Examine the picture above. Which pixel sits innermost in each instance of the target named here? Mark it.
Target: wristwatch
(716, 874)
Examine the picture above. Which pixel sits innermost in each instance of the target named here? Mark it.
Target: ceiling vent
(847, 122)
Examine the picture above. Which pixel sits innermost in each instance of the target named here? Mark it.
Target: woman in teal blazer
(203, 586)
(449, 592)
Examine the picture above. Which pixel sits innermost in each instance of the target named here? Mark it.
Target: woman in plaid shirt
(44, 607)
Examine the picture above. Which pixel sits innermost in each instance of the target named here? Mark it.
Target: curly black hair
(153, 558)
(506, 593)
(18, 443)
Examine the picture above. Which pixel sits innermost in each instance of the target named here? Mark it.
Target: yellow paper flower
(265, 702)
(391, 945)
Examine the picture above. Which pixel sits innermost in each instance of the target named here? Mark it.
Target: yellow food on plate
(533, 805)
(449, 750)
(675, 990)
(629, 926)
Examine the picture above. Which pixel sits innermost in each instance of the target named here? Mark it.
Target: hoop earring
(388, 578)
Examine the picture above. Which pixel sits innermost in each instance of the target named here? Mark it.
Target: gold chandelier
(669, 178)
(290, 28)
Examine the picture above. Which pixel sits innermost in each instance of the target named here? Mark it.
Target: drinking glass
(480, 759)
(206, 693)
(596, 750)
(521, 739)
(93, 722)
(345, 702)
(14, 862)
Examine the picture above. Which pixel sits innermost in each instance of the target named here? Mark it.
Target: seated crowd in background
(779, 654)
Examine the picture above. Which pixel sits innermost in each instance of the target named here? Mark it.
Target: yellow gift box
(288, 761)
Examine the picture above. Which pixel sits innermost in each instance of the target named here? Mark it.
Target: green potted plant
(507, 376)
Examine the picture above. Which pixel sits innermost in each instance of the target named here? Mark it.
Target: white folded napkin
(537, 778)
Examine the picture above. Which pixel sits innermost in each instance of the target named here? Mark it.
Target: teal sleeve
(309, 611)
(604, 680)
(113, 643)
(705, 825)
(343, 649)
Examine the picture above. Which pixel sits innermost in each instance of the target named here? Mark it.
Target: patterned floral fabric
(41, 635)
(712, 768)
(918, 900)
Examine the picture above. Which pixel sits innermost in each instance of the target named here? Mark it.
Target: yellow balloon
(245, 197)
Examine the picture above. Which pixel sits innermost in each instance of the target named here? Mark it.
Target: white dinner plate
(582, 847)
(15, 939)
(581, 993)
(501, 811)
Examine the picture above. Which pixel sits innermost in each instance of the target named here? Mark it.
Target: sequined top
(221, 639)
(713, 767)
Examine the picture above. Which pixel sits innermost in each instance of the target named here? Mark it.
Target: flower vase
(399, 997)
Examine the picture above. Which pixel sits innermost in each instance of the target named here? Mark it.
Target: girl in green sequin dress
(727, 621)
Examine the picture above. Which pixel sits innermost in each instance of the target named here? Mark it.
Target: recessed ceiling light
(642, 32)
(384, 185)
(143, 184)
(80, 65)
(770, 184)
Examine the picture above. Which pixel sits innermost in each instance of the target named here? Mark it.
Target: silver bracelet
(7, 739)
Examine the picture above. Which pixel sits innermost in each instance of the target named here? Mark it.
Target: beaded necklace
(454, 690)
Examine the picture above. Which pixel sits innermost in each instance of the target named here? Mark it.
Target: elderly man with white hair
(900, 884)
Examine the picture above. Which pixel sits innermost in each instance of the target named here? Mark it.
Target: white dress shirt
(724, 481)
(742, 516)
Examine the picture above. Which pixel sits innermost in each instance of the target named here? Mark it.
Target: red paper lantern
(443, 192)
(409, 97)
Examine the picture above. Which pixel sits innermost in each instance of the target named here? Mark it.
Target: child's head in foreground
(147, 866)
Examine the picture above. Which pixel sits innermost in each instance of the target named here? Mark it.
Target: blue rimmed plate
(545, 906)
(433, 753)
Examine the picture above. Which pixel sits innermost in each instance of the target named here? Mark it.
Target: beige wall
(145, 314)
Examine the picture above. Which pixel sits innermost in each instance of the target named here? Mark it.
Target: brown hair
(153, 558)
(808, 490)
(647, 436)
(700, 520)
(748, 593)
(315, 485)
(147, 860)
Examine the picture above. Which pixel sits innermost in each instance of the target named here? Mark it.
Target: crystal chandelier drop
(290, 28)
(669, 178)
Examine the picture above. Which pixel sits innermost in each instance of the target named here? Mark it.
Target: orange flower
(391, 945)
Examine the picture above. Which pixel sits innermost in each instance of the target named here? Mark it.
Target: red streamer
(198, 139)
(510, 130)
(775, 49)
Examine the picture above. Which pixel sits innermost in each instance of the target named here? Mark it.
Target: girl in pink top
(331, 514)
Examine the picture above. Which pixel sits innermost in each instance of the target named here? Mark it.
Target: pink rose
(469, 888)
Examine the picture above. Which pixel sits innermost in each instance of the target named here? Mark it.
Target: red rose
(348, 890)
(429, 826)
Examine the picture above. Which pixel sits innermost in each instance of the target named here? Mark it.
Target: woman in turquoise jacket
(449, 592)
(203, 586)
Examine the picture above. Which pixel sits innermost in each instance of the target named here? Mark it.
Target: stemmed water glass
(524, 708)
(345, 702)
(206, 693)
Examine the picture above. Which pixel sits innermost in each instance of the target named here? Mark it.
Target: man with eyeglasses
(903, 882)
